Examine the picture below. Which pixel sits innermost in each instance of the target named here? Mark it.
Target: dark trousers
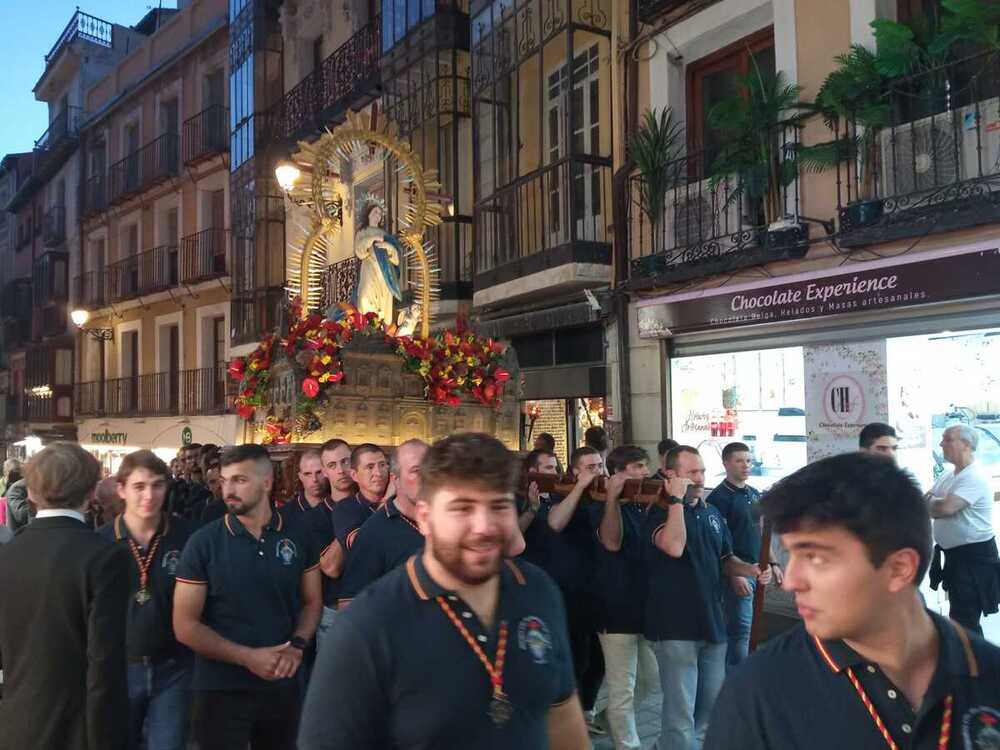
(233, 719)
(966, 608)
(588, 658)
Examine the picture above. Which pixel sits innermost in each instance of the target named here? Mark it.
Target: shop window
(755, 397)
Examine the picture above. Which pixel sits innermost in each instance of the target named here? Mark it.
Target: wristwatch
(299, 642)
(671, 500)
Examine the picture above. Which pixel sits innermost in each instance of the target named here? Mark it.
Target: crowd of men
(447, 596)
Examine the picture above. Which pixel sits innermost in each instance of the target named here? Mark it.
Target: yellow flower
(326, 359)
(324, 377)
(471, 361)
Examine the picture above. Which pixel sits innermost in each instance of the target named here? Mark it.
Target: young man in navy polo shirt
(879, 438)
(688, 552)
(391, 535)
(248, 600)
(457, 648)
(737, 502)
(335, 455)
(870, 666)
(621, 587)
(159, 668)
(312, 480)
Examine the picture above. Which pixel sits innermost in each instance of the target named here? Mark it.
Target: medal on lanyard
(143, 595)
(500, 709)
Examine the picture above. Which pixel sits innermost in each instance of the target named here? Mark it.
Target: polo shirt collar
(236, 528)
(427, 588)
(955, 655)
(122, 532)
(733, 488)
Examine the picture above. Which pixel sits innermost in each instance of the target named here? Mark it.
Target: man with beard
(456, 648)
(390, 536)
(312, 479)
(247, 602)
(159, 668)
(869, 666)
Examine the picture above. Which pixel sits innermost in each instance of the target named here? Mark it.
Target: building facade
(154, 270)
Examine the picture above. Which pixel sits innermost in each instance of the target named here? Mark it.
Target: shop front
(796, 367)
(111, 439)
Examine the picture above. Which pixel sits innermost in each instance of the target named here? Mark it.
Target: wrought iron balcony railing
(58, 139)
(154, 162)
(935, 167)
(206, 134)
(564, 204)
(707, 225)
(82, 26)
(203, 256)
(94, 195)
(144, 273)
(89, 290)
(49, 278)
(343, 80)
(207, 390)
(54, 226)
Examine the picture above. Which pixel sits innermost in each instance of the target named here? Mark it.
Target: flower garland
(451, 363)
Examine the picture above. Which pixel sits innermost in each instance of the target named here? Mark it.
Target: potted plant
(655, 147)
(754, 152)
(855, 93)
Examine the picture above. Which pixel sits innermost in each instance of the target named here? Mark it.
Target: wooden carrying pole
(758, 593)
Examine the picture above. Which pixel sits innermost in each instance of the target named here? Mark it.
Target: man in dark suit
(62, 623)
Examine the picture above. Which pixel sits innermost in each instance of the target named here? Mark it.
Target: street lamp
(287, 174)
(80, 318)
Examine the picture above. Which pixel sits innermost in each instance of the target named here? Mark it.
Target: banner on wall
(845, 389)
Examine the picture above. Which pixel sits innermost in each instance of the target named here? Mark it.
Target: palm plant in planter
(855, 95)
(755, 153)
(655, 147)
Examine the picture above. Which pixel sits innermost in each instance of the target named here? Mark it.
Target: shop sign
(109, 438)
(919, 282)
(186, 436)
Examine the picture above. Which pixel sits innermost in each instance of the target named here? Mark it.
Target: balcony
(49, 279)
(203, 391)
(544, 232)
(89, 290)
(144, 273)
(206, 134)
(203, 256)
(936, 166)
(151, 164)
(649, 10)
(58, 141)
(705, 228)
(94, 196)
(348, 79)
(255, 312)
(54, 226)
(82, 26)
(53, 320)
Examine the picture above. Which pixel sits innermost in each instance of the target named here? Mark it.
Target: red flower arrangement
(451, 363)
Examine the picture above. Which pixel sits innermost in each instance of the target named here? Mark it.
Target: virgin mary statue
(379, 251)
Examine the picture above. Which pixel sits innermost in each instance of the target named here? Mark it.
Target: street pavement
(647, 719)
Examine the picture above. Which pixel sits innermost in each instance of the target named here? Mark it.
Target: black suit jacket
(63, 592)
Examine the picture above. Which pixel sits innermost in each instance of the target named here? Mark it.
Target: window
(400, 16)
(716, 77)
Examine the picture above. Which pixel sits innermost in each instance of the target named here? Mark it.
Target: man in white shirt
(961, 504)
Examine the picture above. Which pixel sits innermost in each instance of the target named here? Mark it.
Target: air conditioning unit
(698, 214)
(924, 156)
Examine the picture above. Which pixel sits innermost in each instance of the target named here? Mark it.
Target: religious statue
(378, 251)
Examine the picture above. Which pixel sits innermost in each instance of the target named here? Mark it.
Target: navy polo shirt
(386, 540)
(796, 692)
(254, 589)
(737, 506)
(297, 504)
(621, 576)
(568, 555)
(348, 515)
(150, 629)
(320, 522)
(399, 674)
(684, 600)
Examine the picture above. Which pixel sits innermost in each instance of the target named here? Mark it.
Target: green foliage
(753, 123)
(656, 147)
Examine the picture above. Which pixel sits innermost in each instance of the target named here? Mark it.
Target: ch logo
(840, 399)
(844, 400)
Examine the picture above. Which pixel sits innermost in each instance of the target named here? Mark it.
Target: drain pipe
(619, 190)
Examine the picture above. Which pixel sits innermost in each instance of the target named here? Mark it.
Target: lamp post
(80, 318)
